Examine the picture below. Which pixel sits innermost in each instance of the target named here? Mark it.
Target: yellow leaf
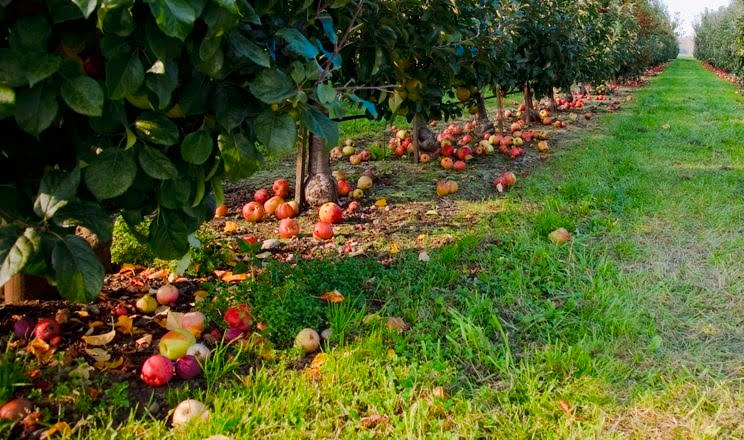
(109, 365)
(394, 248)
(95, 324)
(158, 274)
(230, 227)
(102, 339)
(144, 341)
(60, 427)
(124, 324)
(41, 350)
(99, 354)
(230, 277)
(173, 322)
(127, 268)
(381, 203)
(333, 297)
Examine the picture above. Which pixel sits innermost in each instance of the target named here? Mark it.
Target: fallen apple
(446, 163)
(23, 328)
(343, 188)
(308, 340)
(364, 182)
(285, 211)
(146, 304)
(452, 186)
(194, 322)
(353, 207)
(157, 371)
(442, 189)
(281, 188)
(331, 213)
(543, 147)
(288, 228)
(357, 193)
(220, 211)
(175, 343)
(261, 196)
(167, 294)
(232, 334)
(47, 329)
(187, 411)
(588, 116)
(323, 231)
(253, 212)
(347, 150)
(199, 351)
(560, 236)
(187, 367)
(239, 317)
(355, 159)
(460, 165)
(16, 409)
(271, 205)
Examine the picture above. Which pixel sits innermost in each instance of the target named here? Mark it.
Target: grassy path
(634, 330)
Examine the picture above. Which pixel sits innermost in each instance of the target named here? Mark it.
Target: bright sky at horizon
(690, 10)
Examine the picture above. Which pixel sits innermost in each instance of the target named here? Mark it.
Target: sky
(689, 10)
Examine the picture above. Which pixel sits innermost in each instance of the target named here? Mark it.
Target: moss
(126, 248)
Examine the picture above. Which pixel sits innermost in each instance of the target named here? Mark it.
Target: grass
(633, 330)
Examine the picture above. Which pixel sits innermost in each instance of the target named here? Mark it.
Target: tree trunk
(320, 186)
(20, 288)
(423, 138)
(416, 125)
(551, 99)
(529, 107)
(500, 99)
(301, 167)
(582, 89)
(482, 123)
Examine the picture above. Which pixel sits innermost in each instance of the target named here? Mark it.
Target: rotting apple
(187, 367)
(47, 329)
(189, 411)
(253, 212)
(323, 231)
(288, 228)
(560, 236)
(16, 409)
(331, 213)
(353, 207)
(308, 340)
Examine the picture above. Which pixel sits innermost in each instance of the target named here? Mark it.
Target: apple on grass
(261, 196)
(199, 351)
(323, 231)
(253, 212)
(281, 188)
(239, 317)
(176, 343)
(364, 182)
(157, 371)
(272, 204)
(16, 409)
(187, 411)
(193, 322)
(331, 213)
(560, 236)
(308, 340)
(289, 228)
(188, 367)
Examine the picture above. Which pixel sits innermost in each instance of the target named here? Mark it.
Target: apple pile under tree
(129, 108)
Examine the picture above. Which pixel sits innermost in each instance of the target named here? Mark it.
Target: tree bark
(582, 89)
(551, 98)
(423, 138)
(482, 123)
(500, 99)
(320, 186)
(529, 107)
(20, 288)
(301, 160)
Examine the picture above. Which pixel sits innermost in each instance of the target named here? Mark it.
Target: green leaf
(244, 48)
(84, 95)
(174, 17)
(124, 75)
(63, 10)
(7, 102)
(320, 125)
(327, 22)
(219, 20)
(229, 107)
(115, 17)
(78, 272)
(326, 93)
(112, 119)
(277, 131)
(87, 214)
(298, 43)
(30, 34)
(169, 232)
(230, 5)
(209, 47)
(157, 129)
(17, 246)
(195, 96)
(197, 147)
(36, 108)
(86, 6)
(163, 84)
(175, 193)
(111, 173)
(156, 164)
(239, 155)
(162, 46)
(42, 67)
(272, 86)
(55, 191)
(12, 68)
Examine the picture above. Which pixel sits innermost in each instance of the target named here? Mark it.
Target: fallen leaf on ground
(109, 365)
(423, 256)
(374, 420)
(173, 320)
(381, 203)
(124, 324)
(99, 354)
(565, 406)
(395, 323)
(230, 277)
(333, 297)
(101, 339)
(394, 248)
(41, 350)
(144, 341)
(230, 227)
(126, 268)
(61, 428)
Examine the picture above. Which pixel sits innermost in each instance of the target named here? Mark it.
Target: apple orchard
(166, 162)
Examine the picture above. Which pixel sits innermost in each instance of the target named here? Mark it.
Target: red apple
(250, 239)
(448, 150)
(16, 409)
(460, 165)
(47, 329)
(239, 317)
(23, 328)
(587, 116)
(560, 236)
(271, 205)
(331, 213)
(194, 322)
(187, 367)
(157, 371)
(289, 228)
(167, 294)
(281, 188)
(323, 231)
(253, 211)
(343, 188)
(353, 207)
(261, 196)
(284, 211)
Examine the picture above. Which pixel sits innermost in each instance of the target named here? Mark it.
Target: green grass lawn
(633, 330)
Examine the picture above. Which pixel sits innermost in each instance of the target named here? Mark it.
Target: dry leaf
(126, 268)
(230, 227)
(230, 277)
(432, 212)
(144, 341)
(158, 274)
(333, 297)
(394, 248)
(95, 324)
(60, 427)
(395, 323)
(374, 420)
(124, 324)
(109, 365)
(41, 350)
(98, 354)
(101, 339)
(62, 316)
(421, 237)
(82, 372)
(439, 392)
(565, 406)
(173, 321)
(423, 256)
(381, 203)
